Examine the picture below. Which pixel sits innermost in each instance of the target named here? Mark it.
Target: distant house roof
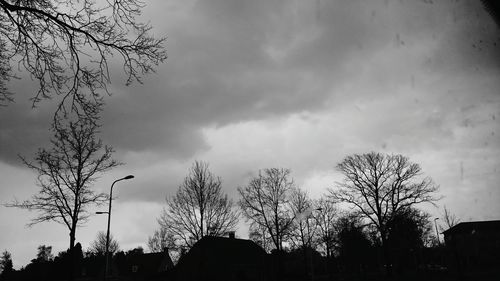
(474, 225)
(220, 258)
(150, 263)
(221, 249)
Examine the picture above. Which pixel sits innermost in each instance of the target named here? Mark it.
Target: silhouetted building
(224, 259)
(143, 267)
(474, 246)
(124, 267)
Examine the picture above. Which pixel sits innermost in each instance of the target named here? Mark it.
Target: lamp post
(437, 233)
(106, 268)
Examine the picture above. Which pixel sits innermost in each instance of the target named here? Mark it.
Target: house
(473, 246)
(143, 267)
(224, 259)
(131, 266)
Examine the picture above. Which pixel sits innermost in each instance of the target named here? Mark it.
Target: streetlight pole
(437, 233)
(106, 268)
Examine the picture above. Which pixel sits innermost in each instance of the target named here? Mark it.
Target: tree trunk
(387, 257)
(71, 253)
(72, 239)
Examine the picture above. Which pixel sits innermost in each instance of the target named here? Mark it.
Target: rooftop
(474, 225)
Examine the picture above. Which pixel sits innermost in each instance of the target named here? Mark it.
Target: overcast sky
(295, 84)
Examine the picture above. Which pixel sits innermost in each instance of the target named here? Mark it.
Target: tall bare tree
(66, 172)
(266, 201)
(304, 229)
(98, 246)
(326, 215)
(66, 45)
(199, 208)
(379, 186)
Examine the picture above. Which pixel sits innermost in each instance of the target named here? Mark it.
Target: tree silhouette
(304, 229)
(160, 240)
(98, 246)
(266, 201)
(379, 186)
(325, 216)
(409, 230)
(6, 266)
(66, 45)
(44, 254)
(66, 172)
(199, 208)
(260, 235)
(353, 245)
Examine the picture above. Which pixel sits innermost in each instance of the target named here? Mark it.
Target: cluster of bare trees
(281, 215)
(381, 191)
(380, 187)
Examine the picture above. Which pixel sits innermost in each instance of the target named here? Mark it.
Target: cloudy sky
(296, 84)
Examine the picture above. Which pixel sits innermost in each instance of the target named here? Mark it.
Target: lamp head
(128, 177)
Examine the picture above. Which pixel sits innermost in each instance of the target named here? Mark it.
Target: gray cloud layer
(237, 61)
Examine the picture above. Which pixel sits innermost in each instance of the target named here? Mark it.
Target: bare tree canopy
(326, 216)
(259, 234)
(67, 45)
(199, 208)
(66, 172)
(379, 186)
(160, 240)
(266, 201)
(304, 229)
(98, 246)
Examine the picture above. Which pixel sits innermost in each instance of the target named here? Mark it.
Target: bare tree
(449, 219)
(160, 240)
(304, 229)
(199, 208)
(66, 45)
(380, 186)
(266, 202)
(98, 246)
(325, 216)
(260, 235)
(66, 172)
(163, 239)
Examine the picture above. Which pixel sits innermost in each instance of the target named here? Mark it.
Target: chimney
(230, 234)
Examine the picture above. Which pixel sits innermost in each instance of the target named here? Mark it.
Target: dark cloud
(23, 129)
(233, 61)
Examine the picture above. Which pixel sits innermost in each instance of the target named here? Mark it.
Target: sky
(297, 84)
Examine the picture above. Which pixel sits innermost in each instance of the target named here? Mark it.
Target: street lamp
(437, 233)
(109, 221)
